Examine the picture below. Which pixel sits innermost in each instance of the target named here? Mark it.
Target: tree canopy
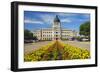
(85, 29)
(28, 35)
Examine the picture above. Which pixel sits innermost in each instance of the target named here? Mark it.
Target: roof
(56, 19)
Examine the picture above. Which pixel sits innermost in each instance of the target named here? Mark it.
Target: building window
(56, 32)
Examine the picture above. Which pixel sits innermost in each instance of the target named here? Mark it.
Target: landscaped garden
(57, 50)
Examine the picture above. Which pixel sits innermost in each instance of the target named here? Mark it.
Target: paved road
(85, 45)
(33, 46)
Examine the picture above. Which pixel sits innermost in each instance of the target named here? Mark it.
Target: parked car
(28, 41)
(84, 39)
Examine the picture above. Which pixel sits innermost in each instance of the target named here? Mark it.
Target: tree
(85, 29)
(28, 35)
(34, 38)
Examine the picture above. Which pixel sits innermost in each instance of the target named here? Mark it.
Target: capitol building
(54, 33)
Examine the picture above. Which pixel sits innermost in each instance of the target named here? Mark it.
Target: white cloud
(32, 21)
(66, 14)
(47, 18)
(65, 20)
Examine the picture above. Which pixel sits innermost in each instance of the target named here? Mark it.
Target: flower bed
(57, 51)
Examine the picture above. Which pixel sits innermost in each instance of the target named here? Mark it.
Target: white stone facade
(54, 33)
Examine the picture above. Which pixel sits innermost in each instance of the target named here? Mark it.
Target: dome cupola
(56, 19)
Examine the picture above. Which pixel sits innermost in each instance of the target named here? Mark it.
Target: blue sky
(37, 20)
